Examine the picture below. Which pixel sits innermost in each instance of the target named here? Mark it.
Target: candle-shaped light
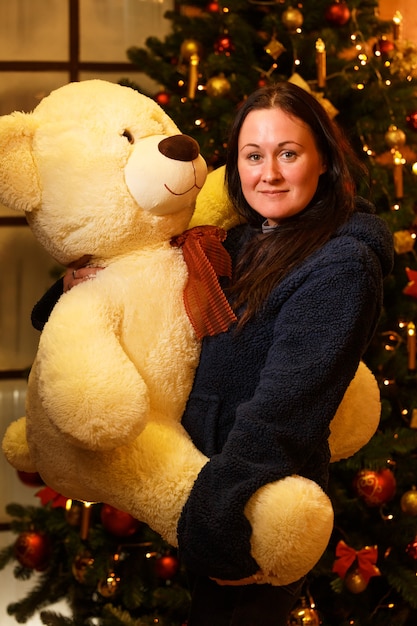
(411, 346)
(191, 52)
(398, 174)
(321, 63)
(85, 520)
(397, 21)
(193, 75)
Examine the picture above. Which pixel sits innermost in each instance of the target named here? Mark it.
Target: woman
(307, 290)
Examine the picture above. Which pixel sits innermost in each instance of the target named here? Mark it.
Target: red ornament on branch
(384, 47)
(337, 14)
(213, 7)
(118, 522)
(31, 479)
(33, 549)
(375, 487)
(166, 566)
(411, 549)
(411, 120)
(162, 98)
(224, 45)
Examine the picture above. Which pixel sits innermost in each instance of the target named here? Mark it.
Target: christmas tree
(364, 73)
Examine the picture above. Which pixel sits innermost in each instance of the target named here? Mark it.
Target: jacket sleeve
(42, 309)
(321, 332)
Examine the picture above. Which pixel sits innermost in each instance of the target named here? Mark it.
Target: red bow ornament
(206, 258)
(411, 288)
(49, 496)
(366, 559)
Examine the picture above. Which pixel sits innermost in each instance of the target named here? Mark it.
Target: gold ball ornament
(190, 47)
(292, 19)
(81, 564)
(218, 86)
(303, 616)
(395, 137)
(409, 502)
(109, 587)
(355, 582)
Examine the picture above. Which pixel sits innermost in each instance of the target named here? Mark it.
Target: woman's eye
(128, 136)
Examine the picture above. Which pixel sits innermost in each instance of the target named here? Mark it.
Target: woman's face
(278, 163)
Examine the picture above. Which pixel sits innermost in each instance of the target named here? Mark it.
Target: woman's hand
(78, 272)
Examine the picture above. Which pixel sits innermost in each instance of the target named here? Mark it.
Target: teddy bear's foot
(292, 520)
(357, 417)
(15, 447)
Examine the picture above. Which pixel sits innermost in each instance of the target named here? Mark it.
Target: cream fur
(117, 357)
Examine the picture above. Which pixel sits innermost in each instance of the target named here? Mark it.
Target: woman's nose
(271, 172)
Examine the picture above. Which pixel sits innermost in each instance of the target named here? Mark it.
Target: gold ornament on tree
(404, 241)
(395, 138)
(356, 567)
(304, 615)
(191, 52)
(109, 587)
(409, 502)
(218, 86)
(81, 565)
(292, 19)
(274, 48)
(355, 581)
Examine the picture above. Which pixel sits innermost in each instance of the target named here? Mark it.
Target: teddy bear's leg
(357, 417)
(292, 520)
(15, 446)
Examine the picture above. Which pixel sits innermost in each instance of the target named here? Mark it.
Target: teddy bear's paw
(292, 520)
(15, 447)
(357, 417)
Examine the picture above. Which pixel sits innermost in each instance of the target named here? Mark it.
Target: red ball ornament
(384, 47)
(411, 120)
(411, 550)
(213, 7)
(163, 98)
(33, 549)
(118, 522)
(337, 14)
(166, 566)
(31, 479)
(224, 45)
(375, 487)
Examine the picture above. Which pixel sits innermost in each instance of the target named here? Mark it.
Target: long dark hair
(268, 257)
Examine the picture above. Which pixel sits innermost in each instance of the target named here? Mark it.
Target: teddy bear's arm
(90, 389)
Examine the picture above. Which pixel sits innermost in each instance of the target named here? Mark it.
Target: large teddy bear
(101, 171)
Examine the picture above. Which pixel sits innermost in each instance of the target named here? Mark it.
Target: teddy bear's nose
(179, 148)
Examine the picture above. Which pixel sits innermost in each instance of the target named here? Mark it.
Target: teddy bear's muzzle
(179, 148)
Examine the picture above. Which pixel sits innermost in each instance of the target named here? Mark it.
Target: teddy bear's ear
(19, 187)
(213, 206)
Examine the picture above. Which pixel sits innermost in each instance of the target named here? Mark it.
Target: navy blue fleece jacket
(263, 398)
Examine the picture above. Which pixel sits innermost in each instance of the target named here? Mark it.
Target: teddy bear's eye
(128, 136)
